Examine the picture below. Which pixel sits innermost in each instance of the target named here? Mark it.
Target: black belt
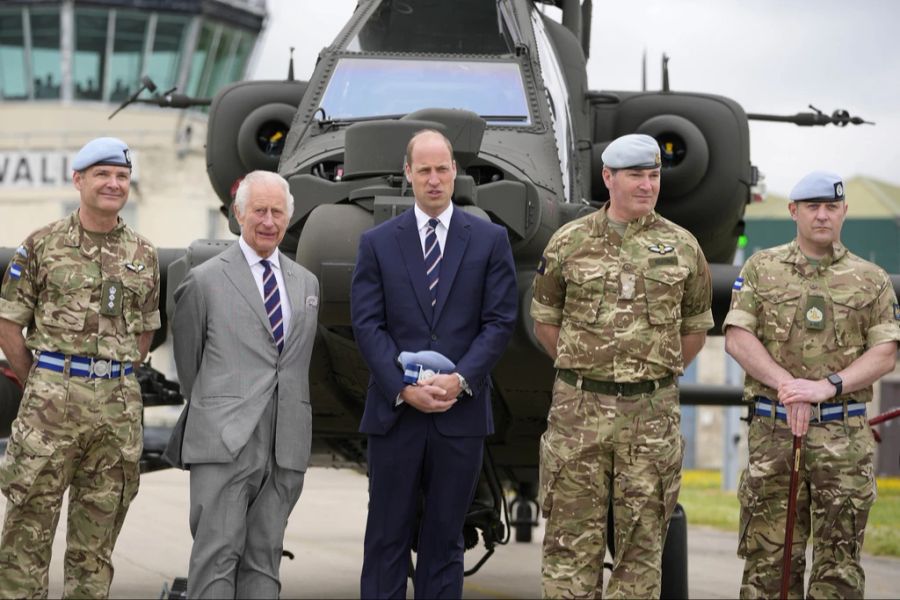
(612, 388)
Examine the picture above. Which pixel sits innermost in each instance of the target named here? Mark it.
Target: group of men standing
(622, 303)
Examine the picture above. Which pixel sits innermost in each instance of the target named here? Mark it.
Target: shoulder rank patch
(661, 248)
(738, 284)
(896, 311)
(542, 265)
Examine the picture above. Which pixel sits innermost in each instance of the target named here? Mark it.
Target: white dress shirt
(253, 259)
(442, 229)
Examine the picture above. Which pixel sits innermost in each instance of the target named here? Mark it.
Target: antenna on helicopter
(644, 70)
(146, 84)
(168, 99)
(840, 118)
(665, 72)
(290, 76)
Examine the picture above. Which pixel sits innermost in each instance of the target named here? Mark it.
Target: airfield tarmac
(325, 535)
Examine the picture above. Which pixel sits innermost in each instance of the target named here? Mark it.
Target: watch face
(835, 379)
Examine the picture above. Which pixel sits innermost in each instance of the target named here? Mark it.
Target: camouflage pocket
(66, 299)
(748, 497)
(130, 431)
(562, 442)
(850, 322)
(550, 466)
(584, 294)
(27, 455)
(137, 289)
(778, 307)
(664, 290)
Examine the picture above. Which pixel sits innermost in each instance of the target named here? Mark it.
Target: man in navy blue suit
(433, 278)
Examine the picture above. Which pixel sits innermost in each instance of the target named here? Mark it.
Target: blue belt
(83, 366)
(824, 411)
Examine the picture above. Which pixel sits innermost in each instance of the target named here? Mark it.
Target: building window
(45, 54)
(12, 56)
(205, 44)
(163, 62)
(242, 53)
(90, 53)
(221, 63)
(128, 49)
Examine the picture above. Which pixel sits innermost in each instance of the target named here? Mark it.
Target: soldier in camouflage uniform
(814, 326)
(87, 289)
(622, 303)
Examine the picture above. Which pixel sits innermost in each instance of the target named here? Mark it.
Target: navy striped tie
(432, 259)
(272, 300)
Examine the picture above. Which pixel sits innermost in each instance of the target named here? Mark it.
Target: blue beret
(423, 364)
(102, 151)
(819, 186)
(632, 151)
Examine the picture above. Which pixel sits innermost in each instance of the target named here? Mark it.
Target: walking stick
(791, 515)
(892, 414)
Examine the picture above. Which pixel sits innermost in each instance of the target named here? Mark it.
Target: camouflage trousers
(76, 433)
(599, 450)
(836, 490)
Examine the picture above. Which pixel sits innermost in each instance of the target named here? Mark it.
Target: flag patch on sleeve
(15, 271)
(738, 283)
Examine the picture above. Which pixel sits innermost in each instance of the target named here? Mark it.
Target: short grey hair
(243, 192)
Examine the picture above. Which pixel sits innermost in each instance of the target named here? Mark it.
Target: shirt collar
(795, 254)
(75, 231)
(422, 218)
(253, 258)
(601, 221)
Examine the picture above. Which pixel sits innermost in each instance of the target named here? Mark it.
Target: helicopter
(507, 84)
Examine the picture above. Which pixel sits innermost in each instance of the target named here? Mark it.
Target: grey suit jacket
(229, 366)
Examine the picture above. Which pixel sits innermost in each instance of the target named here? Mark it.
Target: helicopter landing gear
(524, 509)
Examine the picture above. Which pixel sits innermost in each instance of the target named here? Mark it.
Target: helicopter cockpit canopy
(397, 26)
(362, 88)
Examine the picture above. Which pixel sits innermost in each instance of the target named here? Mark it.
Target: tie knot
(433, 223)
(265, 264)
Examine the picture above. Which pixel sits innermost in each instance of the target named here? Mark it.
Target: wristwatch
(838, 383)
(464, 385)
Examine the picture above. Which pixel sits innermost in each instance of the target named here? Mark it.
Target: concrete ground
(325, 534)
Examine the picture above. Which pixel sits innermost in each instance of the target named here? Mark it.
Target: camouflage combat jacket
(813, 320)
(622, 304)
(54, 282)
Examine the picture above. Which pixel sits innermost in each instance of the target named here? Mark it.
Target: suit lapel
(411, 251)
(295, 292)
(238, 273)
(455, 248)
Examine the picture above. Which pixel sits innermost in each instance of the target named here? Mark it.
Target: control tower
(66, 65)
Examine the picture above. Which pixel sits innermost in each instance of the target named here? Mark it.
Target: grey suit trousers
(239, 511)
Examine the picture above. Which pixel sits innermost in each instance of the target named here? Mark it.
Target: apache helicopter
(508, 86)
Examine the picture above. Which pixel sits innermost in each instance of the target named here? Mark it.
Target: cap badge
(838, 189)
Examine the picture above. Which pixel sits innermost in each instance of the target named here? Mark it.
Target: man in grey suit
(244, 326)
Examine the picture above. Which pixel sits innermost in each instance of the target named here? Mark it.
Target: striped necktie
(432, 259)
(272, 300)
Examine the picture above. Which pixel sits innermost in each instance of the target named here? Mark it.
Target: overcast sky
(771, 56)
